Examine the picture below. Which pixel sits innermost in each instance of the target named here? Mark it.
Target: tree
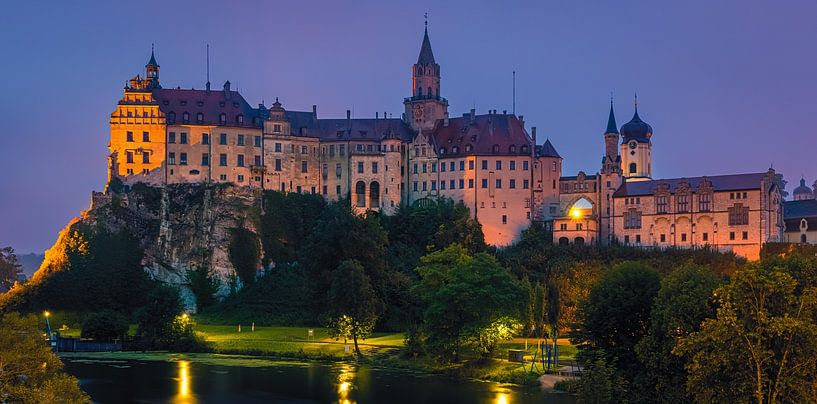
(601, 383)
(462, 295)
(762, 344)
(29, 371)
(163, 325)
(617, 314)
(353, 303)
(10, 269)
(682, 303)
(244, 254)
(203, 285)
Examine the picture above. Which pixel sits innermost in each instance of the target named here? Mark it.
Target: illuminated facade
(489, 162)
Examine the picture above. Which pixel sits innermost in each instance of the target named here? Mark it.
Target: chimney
(227, 89)
(522, 120)
(207, 86)
(533, 135)
(315, 111)
(349, 119)
(473, 114)
(384, 115)
(376, 115)
(504, 112)
(445, 119)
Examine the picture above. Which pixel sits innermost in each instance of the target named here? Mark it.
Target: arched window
(564, 241)
(430, 93)
(632, 168)
(374, 194)
(419, 91)
(579, 241)
(360, 194)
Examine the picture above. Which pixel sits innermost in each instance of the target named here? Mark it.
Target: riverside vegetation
(421, 290)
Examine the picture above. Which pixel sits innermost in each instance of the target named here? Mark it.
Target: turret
(425, 106)
(611, 162)
(152, 71)
(636, 148)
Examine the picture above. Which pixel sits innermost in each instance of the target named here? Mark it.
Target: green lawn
(291, 340)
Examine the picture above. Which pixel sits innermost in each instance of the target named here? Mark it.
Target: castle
(490, 162)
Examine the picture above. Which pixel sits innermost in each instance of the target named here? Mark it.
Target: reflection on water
(184, 396)
(213, 379)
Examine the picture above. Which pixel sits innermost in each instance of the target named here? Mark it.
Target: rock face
(180, 227)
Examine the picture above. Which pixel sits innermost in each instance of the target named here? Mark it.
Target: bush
(105, 326)
(163, 325)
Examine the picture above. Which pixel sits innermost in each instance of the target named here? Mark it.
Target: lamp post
(48, 326)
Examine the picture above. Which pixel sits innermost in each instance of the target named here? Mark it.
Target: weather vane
(426, 17)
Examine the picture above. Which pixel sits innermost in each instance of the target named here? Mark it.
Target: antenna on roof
(514, 92)
(208, 67)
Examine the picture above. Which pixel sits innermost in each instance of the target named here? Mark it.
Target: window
(240, 140)
(360, 167)
(661, 204)
(433, 185)
(663, 238)
(704, 202)
(738, 215)
(632, 219)
(183, 159)
(451, 166)
(563, 227)
(683, 203)
(425, 168)
(342, 150)
(171, 158)
(525, 165)
(579, 226)
(239, 119)
(185, 117)
(199, 117)
(471, 183)
(240, 178)
(638, 239)
(205, 159)
(512, 184)
(484, 183)
(504, 219)
(337, 170)
(337, 189)
(442, 185)
(303, 166)
(525, 184)
(171, 137)
(499, 165)
(171, 117)
(146, 136)
(512, 165)
(705, 236)
(731, 235)
(304, 149)
(129, 136)
(452, 184)
(424, 186)
(222, 118)
(498, 183)
(683, 237)
(129, 157)
(183, 138)
(415, 186)
(745, 235)
(374, 167)
(145, 158)
(484, 164)
(470, 164)
(462, 165)
(626, 239)
(240, 161)
(277, 164)
(462, 184)
(205, 138)
(632, 168)
(222, 139)
(222, 159)
(442, 167)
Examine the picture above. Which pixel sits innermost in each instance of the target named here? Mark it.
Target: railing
(425, 97)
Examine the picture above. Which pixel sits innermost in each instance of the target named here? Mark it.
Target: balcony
(425, 97)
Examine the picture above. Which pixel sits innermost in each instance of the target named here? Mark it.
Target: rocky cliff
(179, 227)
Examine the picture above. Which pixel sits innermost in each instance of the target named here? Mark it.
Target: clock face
(633, 145)
(418, 111)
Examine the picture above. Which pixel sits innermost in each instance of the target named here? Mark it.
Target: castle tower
(425, 106)
(611, 162)
(152, 71)
(636, 148)
(803, 192)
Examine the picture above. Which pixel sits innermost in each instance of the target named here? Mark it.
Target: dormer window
(239, 119)
(524, 149)
(171, 117)
(222, 119)
(276, 128)
(186, 117)
(200, 103)
(495, 149)
(442, 151)
(339, 133)
(199, 117)
(256, 121)
(235, 105)
(221, 104)
(166, 102)
(512, 149)
(455, 150)
(183, 103)
(469, 148)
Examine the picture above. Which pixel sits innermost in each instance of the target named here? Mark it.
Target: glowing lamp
(576, 213)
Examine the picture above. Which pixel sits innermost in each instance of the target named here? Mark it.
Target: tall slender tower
(611, 162)
(152, 71)
(636, 148)
(611, 178)
(425, 106)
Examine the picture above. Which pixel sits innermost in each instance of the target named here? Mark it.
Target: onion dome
(803, 190)
(636, 129)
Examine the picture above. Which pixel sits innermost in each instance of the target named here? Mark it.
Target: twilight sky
(728, 86)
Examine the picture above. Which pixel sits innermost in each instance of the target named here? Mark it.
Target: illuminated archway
(582, 207)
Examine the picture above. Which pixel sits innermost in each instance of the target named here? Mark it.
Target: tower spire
(611, 120)
(426, 55)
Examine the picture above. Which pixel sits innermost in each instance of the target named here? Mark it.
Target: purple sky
(728, 86)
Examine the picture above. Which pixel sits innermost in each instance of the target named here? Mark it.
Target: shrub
(105, 326)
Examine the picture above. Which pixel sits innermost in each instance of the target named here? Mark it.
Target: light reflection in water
(503, 395)
(184, 396)
(346, 377)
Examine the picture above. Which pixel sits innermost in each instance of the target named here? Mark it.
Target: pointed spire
(152, 61)
(635, 102)
(426, 55)
(611, 120)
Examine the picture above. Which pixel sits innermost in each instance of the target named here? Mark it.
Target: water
(215, 380)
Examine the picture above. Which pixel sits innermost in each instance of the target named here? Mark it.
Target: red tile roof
(211, 104)
(492, 134)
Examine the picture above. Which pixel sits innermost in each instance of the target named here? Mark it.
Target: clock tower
(636, 149)
(425, 106)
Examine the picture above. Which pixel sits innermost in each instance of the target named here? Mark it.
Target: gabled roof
(800, 209)
(210, 103)
(720, 183)
(482, 133)
(426, 55)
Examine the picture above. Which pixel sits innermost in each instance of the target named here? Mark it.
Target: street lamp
(48, 324)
